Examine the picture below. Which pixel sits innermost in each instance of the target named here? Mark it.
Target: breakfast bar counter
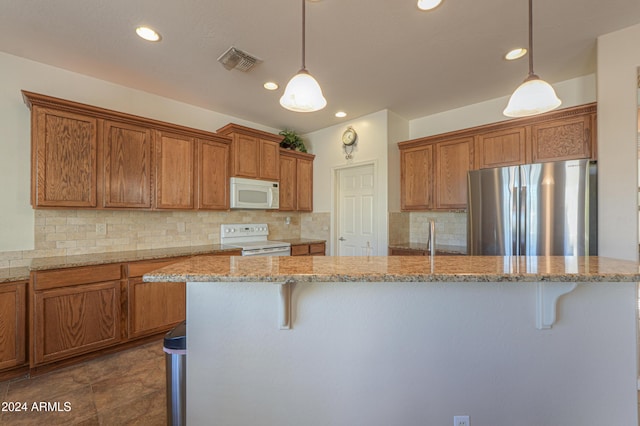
(410, 340)
(400, 269)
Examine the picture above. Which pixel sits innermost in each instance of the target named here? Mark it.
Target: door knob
(342, 239)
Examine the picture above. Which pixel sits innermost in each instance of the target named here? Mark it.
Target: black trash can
(175, 347)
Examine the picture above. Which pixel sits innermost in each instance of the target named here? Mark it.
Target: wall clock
(349, 138)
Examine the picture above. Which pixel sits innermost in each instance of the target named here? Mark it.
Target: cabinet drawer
(138, 269)
(74, 276)
(316, 249)
(301, 250)
(406, 252)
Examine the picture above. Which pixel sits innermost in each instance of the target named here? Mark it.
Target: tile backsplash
(73, 232)
(451, 228)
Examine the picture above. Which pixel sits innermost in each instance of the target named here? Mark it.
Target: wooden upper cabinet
(287, 182)
(562, 139)
(254, 153)
(296, 181)
(304, 181)
(126, 160)
(213, 175)
(84, 156)
(453, 160)
(174, 158)
(246, 153)
(500, 148)
(269, 160)
(416, 175)
(63, 158)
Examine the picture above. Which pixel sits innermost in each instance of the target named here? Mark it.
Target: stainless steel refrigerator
(534, 209)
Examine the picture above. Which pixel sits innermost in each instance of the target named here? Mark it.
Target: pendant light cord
(304, 32)
(530, 38)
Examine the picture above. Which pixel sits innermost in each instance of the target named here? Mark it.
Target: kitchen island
(410, 340)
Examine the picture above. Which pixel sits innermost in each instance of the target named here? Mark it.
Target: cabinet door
(246, 152)
(64, 150)
(287, 183)
(304, 185)
(416, 174)
(127, 165)
(453, 160)
(563, 139)
(12, 324)
(317, 249)
(269, 161)
(155, 307)
(174, 171)
(213, 175)
(75, 320)
(502, 148)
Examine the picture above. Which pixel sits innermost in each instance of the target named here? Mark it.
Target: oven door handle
(264, 251)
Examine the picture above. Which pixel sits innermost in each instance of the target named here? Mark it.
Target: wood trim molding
(31, 99)
(526, 121)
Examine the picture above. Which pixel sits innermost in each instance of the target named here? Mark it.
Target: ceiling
(367, 55)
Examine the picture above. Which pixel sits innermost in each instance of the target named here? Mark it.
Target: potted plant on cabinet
(292, 141)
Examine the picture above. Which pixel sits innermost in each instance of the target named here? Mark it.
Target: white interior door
(356, 209)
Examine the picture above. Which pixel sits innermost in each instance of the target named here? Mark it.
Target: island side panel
(410, 353)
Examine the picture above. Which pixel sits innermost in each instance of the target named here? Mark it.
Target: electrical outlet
(460, 420)
(101, 228)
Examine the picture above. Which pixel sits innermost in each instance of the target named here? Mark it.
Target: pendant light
(303, 93)
(534, 95)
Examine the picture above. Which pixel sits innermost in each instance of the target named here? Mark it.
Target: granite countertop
(440, 248)
(14, 274)
(46, 263)
(400, 269)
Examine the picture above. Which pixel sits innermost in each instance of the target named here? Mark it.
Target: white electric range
(252, 238)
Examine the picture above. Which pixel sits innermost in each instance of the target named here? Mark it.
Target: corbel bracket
(547, 295)
(284, 305)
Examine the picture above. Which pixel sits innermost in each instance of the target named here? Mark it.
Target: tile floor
(125, 388)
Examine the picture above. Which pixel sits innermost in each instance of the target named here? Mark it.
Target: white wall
(371, 147)
(16, 214)
(398, 132)
(398, 354)
(572, 92)
(618, 61)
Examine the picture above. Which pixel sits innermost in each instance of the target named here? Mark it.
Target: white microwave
(254, 194)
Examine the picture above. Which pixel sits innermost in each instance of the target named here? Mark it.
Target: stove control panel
(244, 230)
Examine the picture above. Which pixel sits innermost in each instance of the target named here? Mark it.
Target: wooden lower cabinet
(407, 252)
(13, 316)
(153, 307)
(75, 320)
(312, 249)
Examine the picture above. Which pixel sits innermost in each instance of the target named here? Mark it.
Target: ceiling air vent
(236, 58)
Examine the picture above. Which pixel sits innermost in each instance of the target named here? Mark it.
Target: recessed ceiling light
(428, 4)
(270, 85)
(515, 54)
(341, 114)
(147, 33)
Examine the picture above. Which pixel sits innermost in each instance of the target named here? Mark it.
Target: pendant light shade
(303, 93)
(534, 95)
